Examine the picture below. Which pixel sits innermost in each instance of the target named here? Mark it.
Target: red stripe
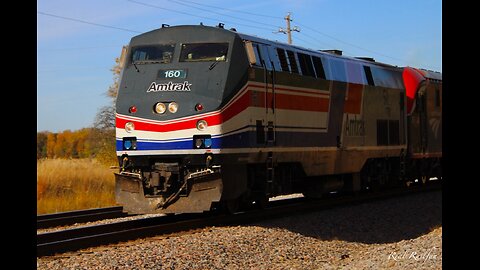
(247, 99)
(237, 107)
(353, 104)
(301, 103)
(159, 127)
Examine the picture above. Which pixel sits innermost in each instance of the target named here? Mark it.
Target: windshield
(204, 52)
(153, 53)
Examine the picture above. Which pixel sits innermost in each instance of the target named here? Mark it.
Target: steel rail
(79, 238)
(79, 216)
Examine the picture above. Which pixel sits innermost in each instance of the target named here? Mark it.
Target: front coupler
(195, 195)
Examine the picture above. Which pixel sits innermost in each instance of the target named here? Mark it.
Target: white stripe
(309, 130)
(169, 135)
(291, 88)
(257, 150)
(294, 118)
(293, 93)
(165, 152)
(317, 95)
(290, 120)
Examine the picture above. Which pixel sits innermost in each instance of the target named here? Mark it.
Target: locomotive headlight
(202, 125)
(129, 127)
(173, 107)
(160, 108)
(129, 143)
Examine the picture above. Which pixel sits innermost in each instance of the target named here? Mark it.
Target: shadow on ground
(385, 221)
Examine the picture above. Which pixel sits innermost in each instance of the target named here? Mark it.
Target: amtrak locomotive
(207, 117)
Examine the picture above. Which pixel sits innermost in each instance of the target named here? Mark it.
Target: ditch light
(202, 141)
(129, 143)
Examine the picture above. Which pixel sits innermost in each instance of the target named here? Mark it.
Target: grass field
(73, 184)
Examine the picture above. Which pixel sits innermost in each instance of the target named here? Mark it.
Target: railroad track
(80, 216)
(79, 238)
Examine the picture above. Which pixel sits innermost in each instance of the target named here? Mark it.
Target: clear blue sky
(78, 40)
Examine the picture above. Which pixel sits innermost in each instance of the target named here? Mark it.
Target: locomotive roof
(432, 75)
(435, 75)
(262, 40)
(327, 54)
(214, 33)
(427, 73)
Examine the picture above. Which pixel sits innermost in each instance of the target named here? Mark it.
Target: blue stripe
(243, 140)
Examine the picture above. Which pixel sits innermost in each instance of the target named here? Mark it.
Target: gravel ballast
(398, 233)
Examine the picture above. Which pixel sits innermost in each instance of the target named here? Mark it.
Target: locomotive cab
(173, 82)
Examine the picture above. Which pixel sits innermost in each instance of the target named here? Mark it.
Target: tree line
(83, 143)
(95, 142)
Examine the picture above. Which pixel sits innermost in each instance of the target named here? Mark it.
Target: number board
(172, 74)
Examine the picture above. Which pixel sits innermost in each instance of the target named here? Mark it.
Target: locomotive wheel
(232, 206)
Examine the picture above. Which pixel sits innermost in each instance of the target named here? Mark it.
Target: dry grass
(73, 184)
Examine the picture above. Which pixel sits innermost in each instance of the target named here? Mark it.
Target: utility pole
(289, 30)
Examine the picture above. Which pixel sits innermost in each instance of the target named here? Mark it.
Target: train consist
(211, 118)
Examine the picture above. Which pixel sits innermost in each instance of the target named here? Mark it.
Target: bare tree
(105, 118)
(117, 71)
(103, 135)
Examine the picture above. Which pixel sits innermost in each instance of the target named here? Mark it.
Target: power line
(86, 22)
(193, 15)
(219, 13)
(303, 25)
(327, 45)
(234, 10)
(349, 44)
(358, 47)
(344, 53)
(59, 69)
(78, 48)
(260, 15)
(317, 41)
(306, 41)
(213, 19)
(222, 14)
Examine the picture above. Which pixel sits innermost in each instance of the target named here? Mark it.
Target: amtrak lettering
(354, 127)
(170, 86)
